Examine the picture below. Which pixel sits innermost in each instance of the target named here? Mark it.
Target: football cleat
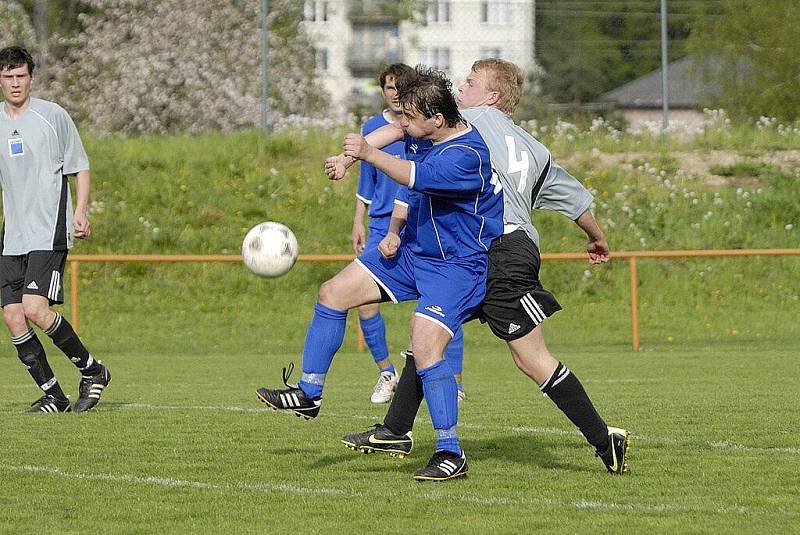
(379, 439)
(616, 455)
(91, 388)
(385, 387)
(443, 465)
(291, 399)
(49, 404)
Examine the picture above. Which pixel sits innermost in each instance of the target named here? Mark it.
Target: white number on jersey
(515, 165)
(495, 180)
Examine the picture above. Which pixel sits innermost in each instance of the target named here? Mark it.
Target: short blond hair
(505, 78)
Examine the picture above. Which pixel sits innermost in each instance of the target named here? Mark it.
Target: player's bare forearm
(83, 185)
(395, 168)
(385, 135)
(598, 245)
(399, 218)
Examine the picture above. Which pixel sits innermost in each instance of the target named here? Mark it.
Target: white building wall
(465, 35)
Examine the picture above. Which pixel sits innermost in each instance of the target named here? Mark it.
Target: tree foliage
(15, 26)
(587, 48)
(184, 65)
(756, 46)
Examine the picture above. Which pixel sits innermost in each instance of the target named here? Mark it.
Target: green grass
(180, 444)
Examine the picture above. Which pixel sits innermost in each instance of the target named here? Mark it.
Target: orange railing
(632, 256)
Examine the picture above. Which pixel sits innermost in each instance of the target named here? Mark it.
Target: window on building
(491, 52)
(321, 57)
(496, 11)
(438, 12)
(436, 57)
(315, 10)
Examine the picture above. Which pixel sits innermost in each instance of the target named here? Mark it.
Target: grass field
(180, 444)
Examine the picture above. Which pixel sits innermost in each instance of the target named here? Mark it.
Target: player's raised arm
(356, 146)
(336, 166)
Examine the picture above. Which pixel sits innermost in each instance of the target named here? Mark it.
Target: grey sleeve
(563, 193)
(75, 158)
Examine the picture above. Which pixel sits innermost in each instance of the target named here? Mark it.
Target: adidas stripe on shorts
(515, 302)
(36, 273)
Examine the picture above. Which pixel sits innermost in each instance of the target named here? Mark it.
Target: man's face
(16, 85)
(415, 125)
(474, 91)
(390, 94)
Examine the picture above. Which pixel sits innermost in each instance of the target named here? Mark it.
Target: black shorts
(515, 300)
(36, 273)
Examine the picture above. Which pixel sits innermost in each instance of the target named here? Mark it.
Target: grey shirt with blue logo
(524, 167)
(40, 148)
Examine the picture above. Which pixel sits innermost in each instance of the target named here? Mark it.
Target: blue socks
(374, 330)
(323, 339)
(454, 352)
(440, 390)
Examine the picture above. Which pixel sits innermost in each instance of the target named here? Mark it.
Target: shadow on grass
(527, 450)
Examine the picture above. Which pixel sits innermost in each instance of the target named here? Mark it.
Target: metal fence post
(634, 304)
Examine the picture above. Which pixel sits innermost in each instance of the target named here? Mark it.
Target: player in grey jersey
(516, 304)
(41, 149)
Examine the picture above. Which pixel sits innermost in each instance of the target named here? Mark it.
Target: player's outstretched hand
(335, 167)
(598, 251)
(389, 245)
(82, 226)
(356, 146)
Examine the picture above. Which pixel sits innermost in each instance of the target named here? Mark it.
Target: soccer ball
(269, 249)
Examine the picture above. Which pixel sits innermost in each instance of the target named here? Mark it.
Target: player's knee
(36, 312)
(329, 293)
(14, 318)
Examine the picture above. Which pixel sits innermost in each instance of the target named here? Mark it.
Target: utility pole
(664, 66)
(40, 28)
(264, 65)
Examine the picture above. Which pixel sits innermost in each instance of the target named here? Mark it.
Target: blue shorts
(448, 293)
(378, 227)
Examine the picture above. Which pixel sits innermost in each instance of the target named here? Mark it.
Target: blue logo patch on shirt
(16, 147)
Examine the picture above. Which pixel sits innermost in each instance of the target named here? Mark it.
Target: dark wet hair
(398, 70)
(430, 92)
(12, 57)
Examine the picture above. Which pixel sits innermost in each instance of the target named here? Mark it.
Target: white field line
(425, 496)
(478, 427)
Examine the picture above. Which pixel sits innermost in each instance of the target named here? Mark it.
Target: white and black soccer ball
(269, 249)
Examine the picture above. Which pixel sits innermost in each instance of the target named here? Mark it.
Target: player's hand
(83, 229)
(358, 237)
(335, 167)
(598, 251)
(389, 245)
(356, 146)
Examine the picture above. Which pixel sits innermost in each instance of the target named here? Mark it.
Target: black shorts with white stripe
(515, 301)
(36, 273)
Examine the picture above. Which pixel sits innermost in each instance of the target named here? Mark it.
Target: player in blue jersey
(516, 304)
(375, 196)
(444, 270)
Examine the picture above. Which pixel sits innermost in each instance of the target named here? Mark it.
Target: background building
(354, 39)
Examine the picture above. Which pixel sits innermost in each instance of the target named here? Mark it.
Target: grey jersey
(529, 177)
(39, 149)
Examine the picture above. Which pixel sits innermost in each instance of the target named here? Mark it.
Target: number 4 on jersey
(515, 165)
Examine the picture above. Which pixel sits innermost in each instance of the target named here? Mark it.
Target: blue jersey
(411, 200)
(461, 207)
(375, 188)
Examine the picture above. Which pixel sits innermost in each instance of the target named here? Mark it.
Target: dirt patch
(700, 163)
